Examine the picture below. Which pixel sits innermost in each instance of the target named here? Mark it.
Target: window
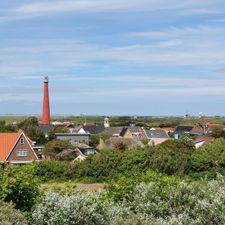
(21, 153)
(22, 141)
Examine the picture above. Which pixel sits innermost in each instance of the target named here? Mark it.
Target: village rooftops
(192, 129)
(156, 134)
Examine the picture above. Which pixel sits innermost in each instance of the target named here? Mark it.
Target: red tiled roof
(7, 141)
(211, 124)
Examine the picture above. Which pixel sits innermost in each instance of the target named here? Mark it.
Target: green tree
(218, 132)
(173, 157)
(57, 129)
(20, 187)
(209, 159)
(120, 146)
(30, 126)
(6, 127)
(54, 147)
(94, 139)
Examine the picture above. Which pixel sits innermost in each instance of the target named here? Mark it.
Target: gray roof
(183, 129)
(156, 134)
(123, 131)
(94, 129)
(71, 135)
(113, 130)
(45, 128)
(131, 143)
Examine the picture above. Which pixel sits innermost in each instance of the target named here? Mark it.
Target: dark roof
(45, 128)
(123, 131)
(203, 139)
(131, 143)
(156, 134)
(113, 130)
(71, 134)
(183, 129)
(94, 129)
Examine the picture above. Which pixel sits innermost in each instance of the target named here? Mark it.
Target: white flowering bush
(186, 203)
(77, 209)
(191, 203)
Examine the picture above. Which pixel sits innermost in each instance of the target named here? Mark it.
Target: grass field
(121, 121)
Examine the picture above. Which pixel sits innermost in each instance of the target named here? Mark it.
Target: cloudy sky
(143, 57)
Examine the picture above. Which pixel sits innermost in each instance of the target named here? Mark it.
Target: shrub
(209, 160)
(54, 147)
(173, 157)
(135, 220)
(20, 188)
(78, 209)
(10, 216)
(185, 203)
(168, 203)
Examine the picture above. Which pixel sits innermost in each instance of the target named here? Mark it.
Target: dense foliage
(56, 146)
(167, 203)
(10, 216)
(158, 185)
(20, 187)
(172, 158)
(6, 127)
(30, 126)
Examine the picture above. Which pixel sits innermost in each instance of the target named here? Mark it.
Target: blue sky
(143, 57)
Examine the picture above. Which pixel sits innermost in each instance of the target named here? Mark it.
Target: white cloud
(32, 9)
(201, 46)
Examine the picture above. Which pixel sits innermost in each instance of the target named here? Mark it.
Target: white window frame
(22, 141)
(21, 153)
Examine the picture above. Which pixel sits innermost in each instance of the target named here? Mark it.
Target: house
(45, 128)
(132, 132)
(74, 138)
(156, 136)
(126, 133)
(129, 142)
(86, 149)
(200, 141)
(91, 129)
(189, 129)
(169, 130)
(113, 131)
(16, 148)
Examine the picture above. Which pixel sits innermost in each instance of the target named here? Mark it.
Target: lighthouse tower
(46, 106)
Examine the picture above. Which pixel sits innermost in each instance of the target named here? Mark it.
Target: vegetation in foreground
(172, 183)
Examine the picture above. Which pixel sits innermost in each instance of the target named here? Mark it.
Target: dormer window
(21, 141)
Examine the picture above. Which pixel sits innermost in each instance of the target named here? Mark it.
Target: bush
(78, 209)
(185, 203)
(173, 157)
(54, 147)
(166, 203)
(19, 187)
(10, 216)
(135, 220)
(123, 188)
(209, 160)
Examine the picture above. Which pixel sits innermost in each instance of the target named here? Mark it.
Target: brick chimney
(46, 106)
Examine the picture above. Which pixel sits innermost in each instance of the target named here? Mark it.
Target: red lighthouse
(46, 106)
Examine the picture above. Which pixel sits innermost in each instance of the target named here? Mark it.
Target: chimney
(46, 107)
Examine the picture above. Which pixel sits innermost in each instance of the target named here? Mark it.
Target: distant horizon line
(5, 115)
